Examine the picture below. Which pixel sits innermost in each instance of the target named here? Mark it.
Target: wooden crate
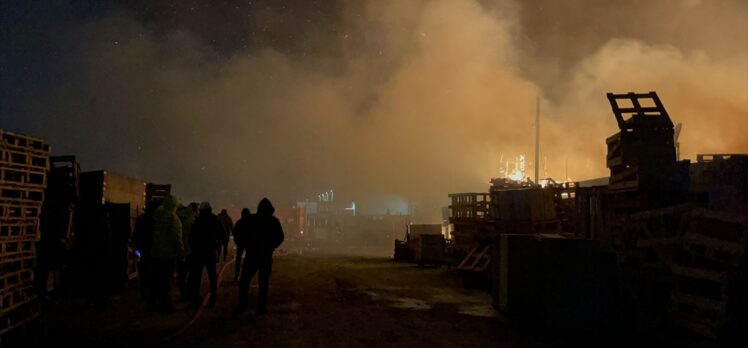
(529, 204)
(429, 249)
(667, 177)
(642, 147)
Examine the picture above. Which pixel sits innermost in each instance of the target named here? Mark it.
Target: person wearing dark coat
(228, 229)
(265, 235)
(241, 231)
(205, 237)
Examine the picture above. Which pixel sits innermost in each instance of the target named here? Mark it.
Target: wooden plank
(469, 255)
(480, 256)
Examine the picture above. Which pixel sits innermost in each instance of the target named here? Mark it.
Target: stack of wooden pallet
(642, 155)
(24, 162)
(645, 201)
(709, 296)
(57, 223)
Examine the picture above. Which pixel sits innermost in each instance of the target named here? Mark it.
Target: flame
(517, 173)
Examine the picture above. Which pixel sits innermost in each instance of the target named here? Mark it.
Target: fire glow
(514, 170)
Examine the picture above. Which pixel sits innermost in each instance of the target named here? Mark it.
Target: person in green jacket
(167, 249)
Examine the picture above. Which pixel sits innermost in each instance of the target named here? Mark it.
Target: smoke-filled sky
(388, 103)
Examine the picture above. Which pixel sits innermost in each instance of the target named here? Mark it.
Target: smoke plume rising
(382, 101)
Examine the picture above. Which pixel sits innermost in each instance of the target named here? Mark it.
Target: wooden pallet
(714, 246)
(700, 315)
(20, 230)
(477, 260)
(23, 142)
(17, 297)
(17, 265)
(717, 236)
(17, 249)
(18, 279)
(11, 211)
(19, 317)
(22, 195)
(23, 160)
(14, 177)
(662, 227)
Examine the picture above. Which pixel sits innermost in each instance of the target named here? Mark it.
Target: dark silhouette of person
(142, 239)
(265, 235)
(166, 250)
(241, 232)
(205, 237)
(228, 229)
(187, 216)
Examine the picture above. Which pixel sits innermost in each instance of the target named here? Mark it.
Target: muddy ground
(315, 301)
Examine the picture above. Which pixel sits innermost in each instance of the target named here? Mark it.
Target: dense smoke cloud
(406, 100)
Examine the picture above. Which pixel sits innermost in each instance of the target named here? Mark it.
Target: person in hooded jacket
(166, 250)
(241, 231)
(266, 234)
(228, 229)
(205, 237)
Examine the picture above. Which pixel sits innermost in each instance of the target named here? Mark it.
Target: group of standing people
(190, 239)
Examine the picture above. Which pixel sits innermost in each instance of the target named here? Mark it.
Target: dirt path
(315, 301)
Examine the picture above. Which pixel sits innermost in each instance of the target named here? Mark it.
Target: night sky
(389, 103)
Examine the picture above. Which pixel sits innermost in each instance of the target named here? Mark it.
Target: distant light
(302, 232)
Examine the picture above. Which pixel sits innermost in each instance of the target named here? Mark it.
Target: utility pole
(537, 141)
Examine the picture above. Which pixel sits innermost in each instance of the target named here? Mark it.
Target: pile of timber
(24, 161)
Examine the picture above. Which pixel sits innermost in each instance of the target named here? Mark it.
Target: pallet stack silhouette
(24, 162)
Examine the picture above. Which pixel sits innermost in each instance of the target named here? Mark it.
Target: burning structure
(671, 234)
